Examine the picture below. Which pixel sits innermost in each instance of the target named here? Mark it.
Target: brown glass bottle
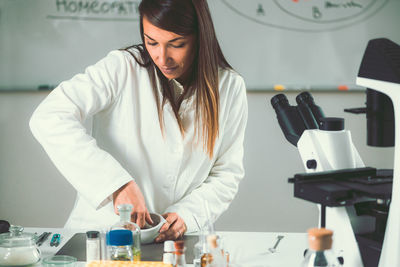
(180, 260)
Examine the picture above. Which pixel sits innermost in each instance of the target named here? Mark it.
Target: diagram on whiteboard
(306, 15)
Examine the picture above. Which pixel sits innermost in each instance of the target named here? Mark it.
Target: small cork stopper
(320, 239)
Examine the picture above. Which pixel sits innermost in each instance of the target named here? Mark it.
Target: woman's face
(172, 53)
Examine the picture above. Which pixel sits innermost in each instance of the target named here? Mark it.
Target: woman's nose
(163, 57)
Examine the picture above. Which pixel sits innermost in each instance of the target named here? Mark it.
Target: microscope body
(380, 72)
(336, 178)
(321, 151)
(390, 255)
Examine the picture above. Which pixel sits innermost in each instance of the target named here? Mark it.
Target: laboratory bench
(246, 249)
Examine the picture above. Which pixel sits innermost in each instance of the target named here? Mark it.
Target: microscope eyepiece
(288, 117)
(279, 99)
(311, 113)
(305, 97)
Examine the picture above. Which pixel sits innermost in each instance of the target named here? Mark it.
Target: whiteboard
(300, 44)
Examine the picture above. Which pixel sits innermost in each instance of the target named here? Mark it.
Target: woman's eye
(179, 45)
(152, 44)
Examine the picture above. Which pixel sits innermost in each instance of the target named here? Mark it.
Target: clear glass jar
(18, 248)
(120, 244)
(125, 211)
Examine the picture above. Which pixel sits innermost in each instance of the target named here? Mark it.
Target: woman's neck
(186, 78)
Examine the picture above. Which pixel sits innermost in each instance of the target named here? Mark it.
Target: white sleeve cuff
(106, 196)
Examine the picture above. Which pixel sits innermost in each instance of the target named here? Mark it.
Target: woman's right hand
(130, 194)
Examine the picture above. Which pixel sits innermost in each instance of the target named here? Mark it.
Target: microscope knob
(331, 124)
(311, 164)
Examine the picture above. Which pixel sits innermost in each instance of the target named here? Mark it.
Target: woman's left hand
(172, 229)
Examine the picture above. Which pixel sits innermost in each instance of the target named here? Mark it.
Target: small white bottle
(92, 246)
(169, 252)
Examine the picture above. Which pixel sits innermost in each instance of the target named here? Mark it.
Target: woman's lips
(168, 70)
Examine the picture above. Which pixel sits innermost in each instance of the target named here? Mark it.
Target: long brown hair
(186, 17)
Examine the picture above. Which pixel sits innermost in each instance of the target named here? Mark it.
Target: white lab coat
(126, 142)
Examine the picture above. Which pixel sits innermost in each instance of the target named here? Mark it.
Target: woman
(168, 122)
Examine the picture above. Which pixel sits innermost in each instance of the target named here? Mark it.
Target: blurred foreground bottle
(125, 211)
(208, 251)
(216, 256)
(319, 253)
(200, 248)
(180, 260)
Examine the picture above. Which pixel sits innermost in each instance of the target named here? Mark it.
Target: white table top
(247, 249)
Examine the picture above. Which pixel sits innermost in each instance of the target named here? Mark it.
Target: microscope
(360, 204)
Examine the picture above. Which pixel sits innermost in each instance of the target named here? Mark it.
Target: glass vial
(92, 246)
(319, 253)
(103, 244)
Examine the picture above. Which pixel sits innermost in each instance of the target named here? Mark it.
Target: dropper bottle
(201, 247)
(211, 255)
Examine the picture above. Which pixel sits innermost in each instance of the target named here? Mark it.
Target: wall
(277, 38)
(33, 193)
